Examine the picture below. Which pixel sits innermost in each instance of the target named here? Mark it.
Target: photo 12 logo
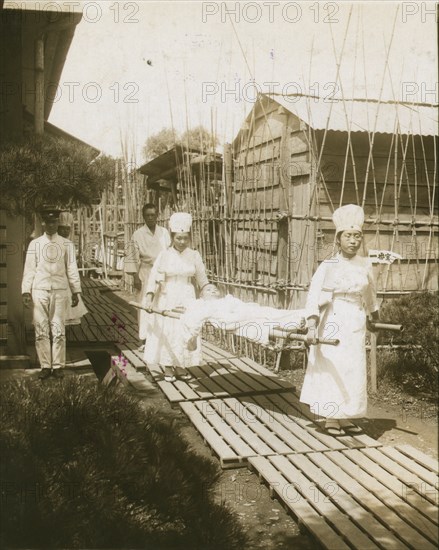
(90, 92)
(250, 91)
(271, 12)
(53, 12)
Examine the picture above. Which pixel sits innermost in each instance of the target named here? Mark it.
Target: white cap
(180, 222)
(348, 217)
(66, 218)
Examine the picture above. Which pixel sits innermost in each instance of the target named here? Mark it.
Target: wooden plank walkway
(106, 321)
(263, 425)
(354, 497)
(349, 492)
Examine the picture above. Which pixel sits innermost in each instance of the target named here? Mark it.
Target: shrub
(415, 365)
(85, 467)
(53, 171)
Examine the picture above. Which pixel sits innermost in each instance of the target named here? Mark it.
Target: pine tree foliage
(87, 467)
(51, 171)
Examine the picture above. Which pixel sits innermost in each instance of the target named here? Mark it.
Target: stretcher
(277, 331)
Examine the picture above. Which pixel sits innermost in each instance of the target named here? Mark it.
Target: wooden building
(298, 158)
(190, 180)
(34, 45)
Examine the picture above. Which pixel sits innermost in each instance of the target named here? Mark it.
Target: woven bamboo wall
(286, 169)
(262, 222)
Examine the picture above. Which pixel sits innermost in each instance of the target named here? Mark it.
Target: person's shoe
(169, 374)
(332, 427)
(58, 373)
(182, 374)
(141, 348)
(351, 429)
(44, 373)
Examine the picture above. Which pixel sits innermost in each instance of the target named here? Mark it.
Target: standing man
(146, 244)
(50, 274)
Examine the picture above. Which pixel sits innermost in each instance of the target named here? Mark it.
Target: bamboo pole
(104, 254)
(39, 87)
(373, 361)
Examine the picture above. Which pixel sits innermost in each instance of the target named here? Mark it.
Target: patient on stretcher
(248, 319)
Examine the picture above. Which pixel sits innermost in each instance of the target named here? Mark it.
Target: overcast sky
(136, 67)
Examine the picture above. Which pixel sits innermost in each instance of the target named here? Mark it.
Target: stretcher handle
(304, 338)
(386, 326)
(164, 312)
(292, 330)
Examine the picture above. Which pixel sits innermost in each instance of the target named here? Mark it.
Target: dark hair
(173, 233)
(148, 206)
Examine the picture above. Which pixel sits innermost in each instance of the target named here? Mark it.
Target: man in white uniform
(146, 244)
(50, 271)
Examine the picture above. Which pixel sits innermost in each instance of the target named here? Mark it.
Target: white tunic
(341, 294)
(51, 265)
(142, 252)
(171, 281)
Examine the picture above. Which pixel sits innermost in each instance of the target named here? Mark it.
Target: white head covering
(348, 217)
(180, 222)
(66, 218)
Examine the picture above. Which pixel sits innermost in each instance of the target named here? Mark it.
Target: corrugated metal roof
(170, 159)
(361, 115)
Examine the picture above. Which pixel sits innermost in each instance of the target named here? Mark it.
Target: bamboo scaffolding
(237, 223)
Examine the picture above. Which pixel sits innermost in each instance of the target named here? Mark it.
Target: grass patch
(85, 467)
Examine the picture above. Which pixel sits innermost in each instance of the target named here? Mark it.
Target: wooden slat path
(352, 496)
(261, 425)
(106, 321)
(221, 375)
(349, 492)
(132, 354)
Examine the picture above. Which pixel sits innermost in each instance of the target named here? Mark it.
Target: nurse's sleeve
(312, 307)
(156, 276)
(370, 295)
(200, 271)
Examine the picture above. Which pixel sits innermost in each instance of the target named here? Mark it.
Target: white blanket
(247, 319)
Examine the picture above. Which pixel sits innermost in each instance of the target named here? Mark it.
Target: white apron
(342, 292)
(171, 280)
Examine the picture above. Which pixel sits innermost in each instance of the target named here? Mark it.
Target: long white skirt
(165, 344)
(335, 384)
(74, 314)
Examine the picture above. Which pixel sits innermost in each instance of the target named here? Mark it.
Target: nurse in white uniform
(170, 286)
(342, 297)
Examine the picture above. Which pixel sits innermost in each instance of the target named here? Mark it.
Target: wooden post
(228, 176)
(103, 249)
(38, 112)
(373, 361)
(282, 250)
(39, 87)
(227, 271)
